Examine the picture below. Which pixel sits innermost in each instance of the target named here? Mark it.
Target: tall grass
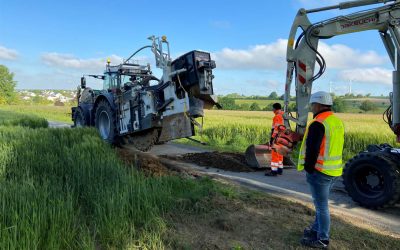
(8, 118)
(49, 112)
(66, 189)
(236, 130)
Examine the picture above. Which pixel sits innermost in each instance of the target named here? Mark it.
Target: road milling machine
(371, 178)
(136, 107)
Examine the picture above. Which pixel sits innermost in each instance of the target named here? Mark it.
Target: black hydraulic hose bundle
(388, 114)
(137, 51)
(319, 59)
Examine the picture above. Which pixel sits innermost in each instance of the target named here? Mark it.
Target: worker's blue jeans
(320, 186)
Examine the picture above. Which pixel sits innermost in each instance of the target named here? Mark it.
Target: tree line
(7, 86)
(340, 104)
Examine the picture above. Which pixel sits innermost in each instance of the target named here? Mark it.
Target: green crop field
(67, 189)
(235, 130)
(49, 112)
(8, 118)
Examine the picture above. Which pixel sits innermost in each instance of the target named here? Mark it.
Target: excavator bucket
(259, 156)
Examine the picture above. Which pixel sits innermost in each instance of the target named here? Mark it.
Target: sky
(51, 44)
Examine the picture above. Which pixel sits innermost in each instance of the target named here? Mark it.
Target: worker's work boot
(271, 173)
(309, 233)
(322, 244)
(280, 171)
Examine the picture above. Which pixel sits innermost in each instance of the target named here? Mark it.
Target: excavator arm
(378, 162)
(303, 55)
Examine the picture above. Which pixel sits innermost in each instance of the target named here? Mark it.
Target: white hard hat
(321, 97)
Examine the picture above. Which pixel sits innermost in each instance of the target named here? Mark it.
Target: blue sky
(50, 44)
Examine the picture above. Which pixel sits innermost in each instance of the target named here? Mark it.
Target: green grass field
(49, 112)
(9, 118)
(235, 130)
(67, 189)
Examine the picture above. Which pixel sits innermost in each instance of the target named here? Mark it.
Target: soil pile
(227, 161)
(150, 165)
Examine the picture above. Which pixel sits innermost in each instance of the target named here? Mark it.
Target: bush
(367, 105)
(245, 107)
(339, 105)
(227, 103)
(273, 96)
(255, 107)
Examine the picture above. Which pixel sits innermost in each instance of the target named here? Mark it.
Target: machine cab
(116, 77)
(110, 81)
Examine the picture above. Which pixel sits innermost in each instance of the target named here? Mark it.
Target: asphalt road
(53, 124)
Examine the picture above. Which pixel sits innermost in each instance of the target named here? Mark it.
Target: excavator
(371, 178)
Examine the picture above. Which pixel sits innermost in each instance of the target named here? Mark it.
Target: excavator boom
(302, 52)
(378, 162)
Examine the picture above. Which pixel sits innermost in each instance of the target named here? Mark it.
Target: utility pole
(350, 82)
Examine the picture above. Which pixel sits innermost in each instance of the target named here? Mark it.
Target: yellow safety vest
(329, 159)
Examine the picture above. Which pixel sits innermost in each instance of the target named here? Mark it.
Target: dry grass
(241, 219)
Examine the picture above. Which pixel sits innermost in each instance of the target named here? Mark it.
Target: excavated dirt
(154, 166)
(150, 165)
(227, 161)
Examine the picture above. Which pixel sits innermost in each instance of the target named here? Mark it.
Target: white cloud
(8, 54)
(267, 56)
(339, 56)
(272, 56)
(70, 61)
(269, 83)
(367, 75)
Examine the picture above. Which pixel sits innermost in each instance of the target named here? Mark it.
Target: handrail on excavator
(350, 4)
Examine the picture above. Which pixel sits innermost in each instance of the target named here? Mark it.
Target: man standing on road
(321, 156)
(276, 158)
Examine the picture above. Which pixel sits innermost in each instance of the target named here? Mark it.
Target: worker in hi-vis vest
(321, 156)
(276, 158)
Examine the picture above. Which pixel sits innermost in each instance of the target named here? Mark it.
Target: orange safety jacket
(276, 121)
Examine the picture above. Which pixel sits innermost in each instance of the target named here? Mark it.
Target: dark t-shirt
(316, 132)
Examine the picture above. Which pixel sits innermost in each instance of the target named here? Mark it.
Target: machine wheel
(79, 118)
(372, 179)
(105, 122)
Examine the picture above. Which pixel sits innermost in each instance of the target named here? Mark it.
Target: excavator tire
(372, 180)
(79, 118)
(105, 121)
